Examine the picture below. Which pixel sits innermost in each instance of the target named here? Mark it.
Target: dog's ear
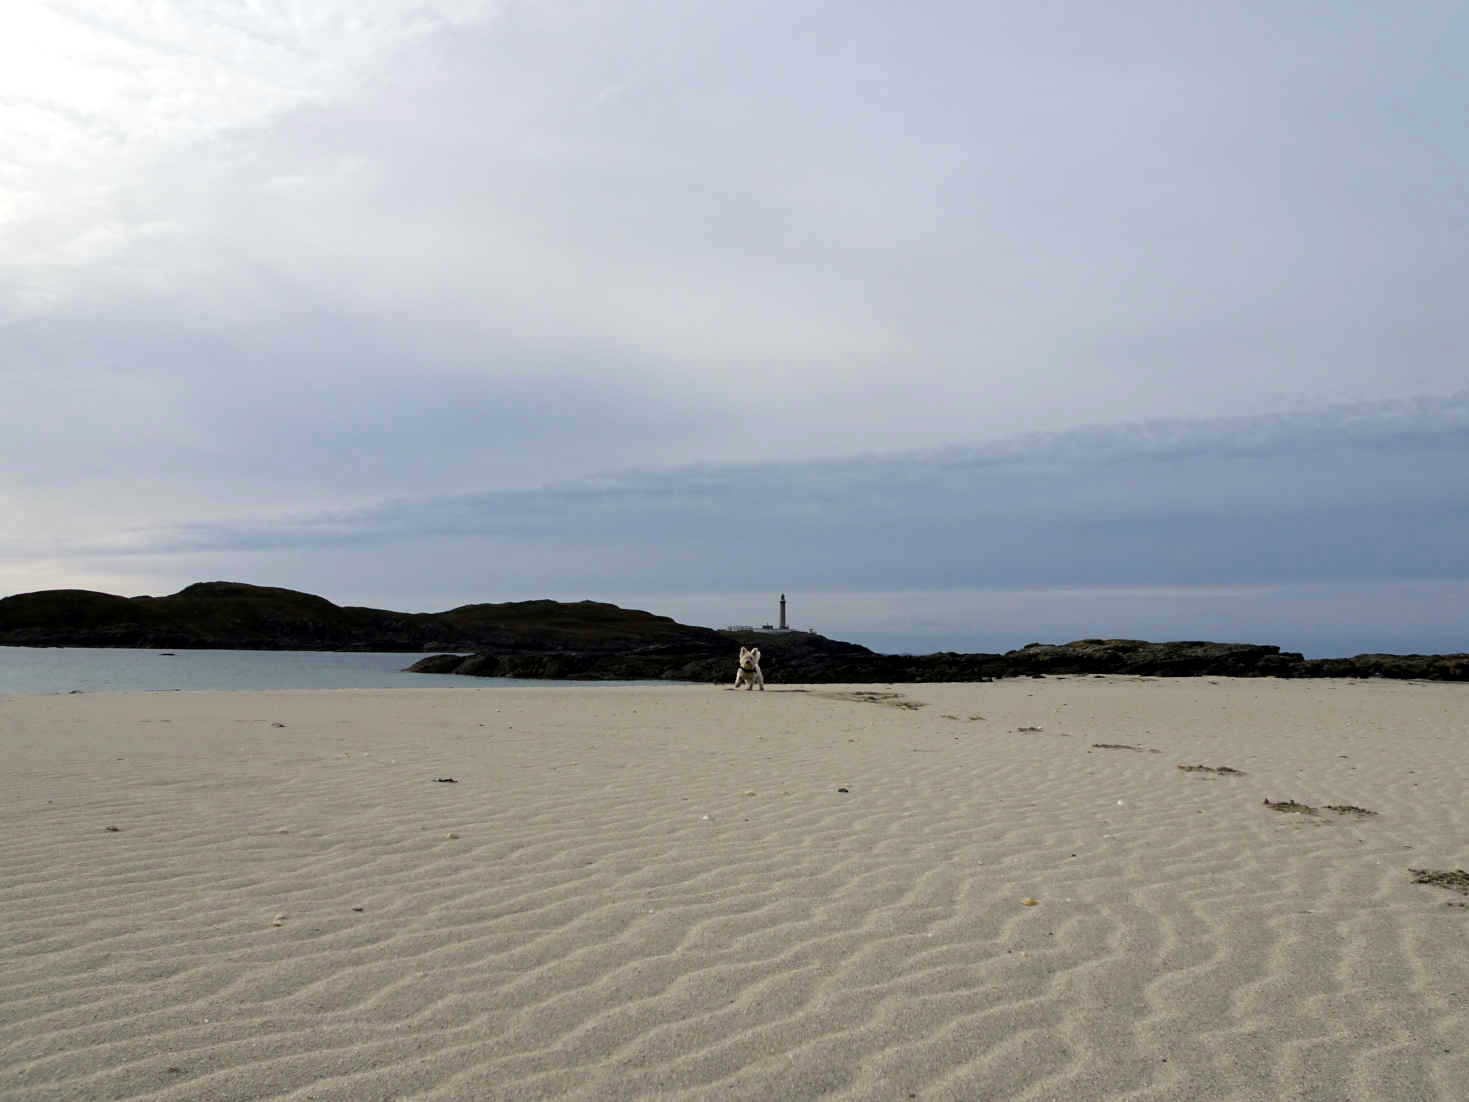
(755, 654)
(743, 652)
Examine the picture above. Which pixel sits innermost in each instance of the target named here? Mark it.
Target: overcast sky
(964, 324)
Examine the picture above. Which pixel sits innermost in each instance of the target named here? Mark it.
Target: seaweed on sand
(1290, 806)
(1455, 880)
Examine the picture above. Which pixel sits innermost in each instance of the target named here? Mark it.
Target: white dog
(749, 674)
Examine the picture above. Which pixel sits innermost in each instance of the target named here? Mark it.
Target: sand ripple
(639, 893)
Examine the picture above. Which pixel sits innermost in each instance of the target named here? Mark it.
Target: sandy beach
(983, 891)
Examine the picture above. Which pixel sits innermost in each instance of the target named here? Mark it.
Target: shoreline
(678, 891)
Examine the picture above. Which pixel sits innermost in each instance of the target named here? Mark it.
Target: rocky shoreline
(810, 659)
(594, 641)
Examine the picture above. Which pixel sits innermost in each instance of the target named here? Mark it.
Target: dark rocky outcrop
(1195, 659)
(801, 658)
(798, 656)
(1134, 656)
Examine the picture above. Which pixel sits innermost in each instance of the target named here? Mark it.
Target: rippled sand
(987, 891)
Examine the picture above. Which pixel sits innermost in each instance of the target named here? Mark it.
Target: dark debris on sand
(1455, 880)
(1290, 806)
(1349, 810)
(892, 700)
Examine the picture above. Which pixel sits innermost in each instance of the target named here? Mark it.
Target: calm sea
(92, 670)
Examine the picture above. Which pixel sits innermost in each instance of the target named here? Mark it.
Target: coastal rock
(438, 663)
(1135, 656)
(1419, 667)
(805, 658)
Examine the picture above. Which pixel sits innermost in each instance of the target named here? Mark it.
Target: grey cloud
(325, 405)
(1378, 492)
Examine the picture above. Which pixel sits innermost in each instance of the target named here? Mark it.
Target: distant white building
(771, 629)
(783, 628)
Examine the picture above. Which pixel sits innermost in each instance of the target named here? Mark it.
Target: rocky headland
(803, 658)
(236, 616)
(594, 641)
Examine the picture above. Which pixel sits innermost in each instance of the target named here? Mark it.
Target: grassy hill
(237, 616)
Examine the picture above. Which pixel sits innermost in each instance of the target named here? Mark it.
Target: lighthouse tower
(782, 612)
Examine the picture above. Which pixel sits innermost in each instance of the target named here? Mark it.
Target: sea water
(110, 670)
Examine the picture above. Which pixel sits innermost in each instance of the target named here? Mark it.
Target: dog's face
(749, 658)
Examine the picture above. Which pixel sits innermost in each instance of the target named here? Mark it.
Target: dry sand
(691, 893)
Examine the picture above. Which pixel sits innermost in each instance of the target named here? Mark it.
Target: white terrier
(749, 674)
